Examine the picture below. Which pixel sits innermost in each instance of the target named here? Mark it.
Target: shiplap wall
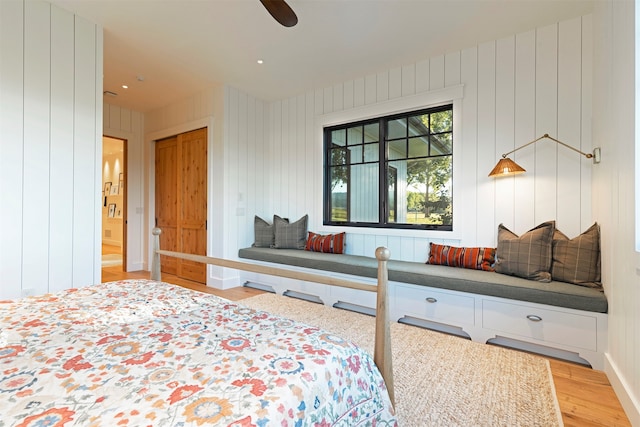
(615, 194)
(268, 156)
(238, 161)
(515, 89)
(50, 149)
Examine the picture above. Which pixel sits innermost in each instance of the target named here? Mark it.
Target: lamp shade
(506, 167)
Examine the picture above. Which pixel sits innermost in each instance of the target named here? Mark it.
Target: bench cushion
(554, 293)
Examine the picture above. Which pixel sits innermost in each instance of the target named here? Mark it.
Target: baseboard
(110, 242)
(223, 283)
(136, 266)
(629, 403)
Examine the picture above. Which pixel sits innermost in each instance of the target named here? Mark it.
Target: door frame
(214, 191)
(125, 164)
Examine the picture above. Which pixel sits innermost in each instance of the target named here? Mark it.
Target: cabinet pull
(431, 300)
(534, 318)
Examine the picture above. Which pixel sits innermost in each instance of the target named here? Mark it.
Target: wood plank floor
(585, 395)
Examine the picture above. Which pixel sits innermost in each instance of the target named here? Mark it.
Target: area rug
(441, 380)
(111, 260)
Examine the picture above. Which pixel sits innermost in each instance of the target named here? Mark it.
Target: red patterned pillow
(473, 258)
(330, 243)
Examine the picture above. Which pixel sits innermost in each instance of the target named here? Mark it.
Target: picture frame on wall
(112, 210)
(114, 190)
(107, 187)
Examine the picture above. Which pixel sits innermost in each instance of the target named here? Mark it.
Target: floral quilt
(145, 353)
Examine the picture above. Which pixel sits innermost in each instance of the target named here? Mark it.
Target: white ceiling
(180, 47)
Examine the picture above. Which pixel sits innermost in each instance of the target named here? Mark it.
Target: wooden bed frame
(382, 348)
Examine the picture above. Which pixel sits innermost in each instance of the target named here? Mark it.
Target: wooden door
(181, 201)
(192, 203)
(167, 200)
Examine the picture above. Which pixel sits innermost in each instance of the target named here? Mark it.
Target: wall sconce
(507, 167)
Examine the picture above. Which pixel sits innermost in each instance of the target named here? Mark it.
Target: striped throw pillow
(472, 258)
(527, 256)
(329, 243)
(577, 260)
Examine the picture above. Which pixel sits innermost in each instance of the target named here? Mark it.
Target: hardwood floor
(585, 395)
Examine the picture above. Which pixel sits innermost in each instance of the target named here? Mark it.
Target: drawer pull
(534, 318)
(431, 300)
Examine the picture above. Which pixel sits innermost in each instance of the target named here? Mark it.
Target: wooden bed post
(155, 261)
(382, 355)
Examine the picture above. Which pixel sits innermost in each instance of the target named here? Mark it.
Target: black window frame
(383, 163)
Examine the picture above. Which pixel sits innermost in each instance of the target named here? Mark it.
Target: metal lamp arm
(546, 135)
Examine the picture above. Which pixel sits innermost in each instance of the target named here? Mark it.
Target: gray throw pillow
(264, 233)
(527, 256)
(577, 260)
(290, 235)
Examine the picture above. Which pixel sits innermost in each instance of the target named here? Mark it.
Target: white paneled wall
(615, 195)
(515, 90)
(238, 160)
(268, 156)
(50, 149)
(247, 188)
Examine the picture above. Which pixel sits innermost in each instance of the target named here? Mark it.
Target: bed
(147, 353)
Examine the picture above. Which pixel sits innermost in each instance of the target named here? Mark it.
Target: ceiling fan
(281, 12)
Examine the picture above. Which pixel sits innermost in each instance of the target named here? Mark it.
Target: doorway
(114, 203)
(181, 201)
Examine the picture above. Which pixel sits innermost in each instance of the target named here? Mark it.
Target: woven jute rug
(441, 380)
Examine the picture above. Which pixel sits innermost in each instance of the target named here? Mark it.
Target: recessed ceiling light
(260, 61)
(125, 87)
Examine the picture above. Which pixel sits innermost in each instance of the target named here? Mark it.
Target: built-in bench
(557, 318)
(558, 294)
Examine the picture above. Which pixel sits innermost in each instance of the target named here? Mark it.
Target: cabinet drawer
(433, 305)
(541, 324)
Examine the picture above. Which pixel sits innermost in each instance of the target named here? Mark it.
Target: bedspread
(145, 353)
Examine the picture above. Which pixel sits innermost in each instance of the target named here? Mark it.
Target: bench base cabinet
(543, 325)
(427, 303)
(574, 335)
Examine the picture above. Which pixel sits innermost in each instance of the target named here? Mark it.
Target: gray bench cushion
(559, 294)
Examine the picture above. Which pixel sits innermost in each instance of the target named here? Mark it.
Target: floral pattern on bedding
(144, 353)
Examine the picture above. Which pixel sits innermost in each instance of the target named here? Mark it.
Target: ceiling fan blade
(281, 12)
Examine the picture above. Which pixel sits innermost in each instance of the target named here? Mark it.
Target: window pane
(372, 132)
(428, 191)
(398, 149)
(354, 135)
(339, 137)
(339, 191)
(419, 125)
(392, 194)
(363, 193)
(419, 147)
(355, 154)
(397, 128)
(371, 152)
(338, 156)
(423, 191)
(441, 144)
(442, 121)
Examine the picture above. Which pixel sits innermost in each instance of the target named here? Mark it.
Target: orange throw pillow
(329, 243)
(472, 258)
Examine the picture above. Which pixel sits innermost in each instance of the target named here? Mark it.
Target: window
(393, 171)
